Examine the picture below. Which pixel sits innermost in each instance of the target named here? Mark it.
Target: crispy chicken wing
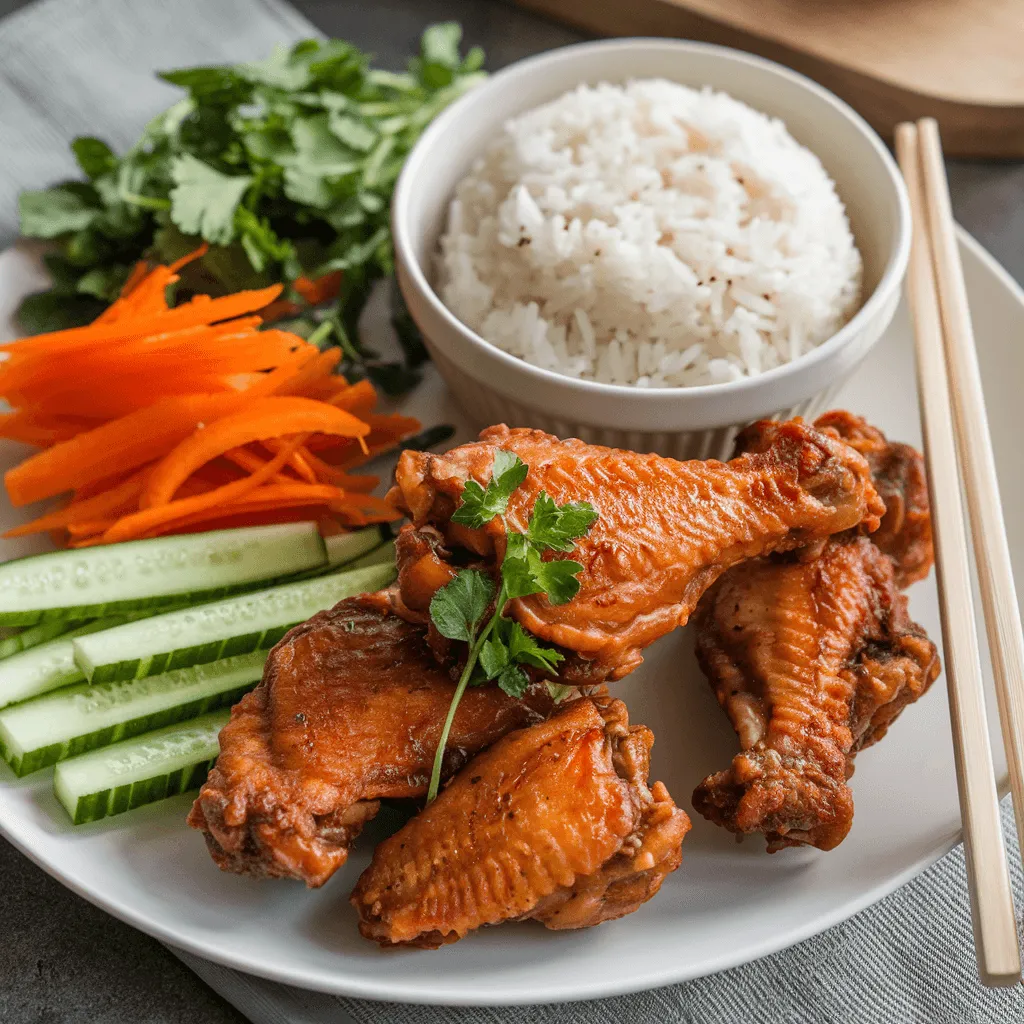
(553, 823)
(666, 529)
(812, 660)
(349, 711)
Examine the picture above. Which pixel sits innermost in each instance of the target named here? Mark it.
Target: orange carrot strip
(145, 288)
(316, 291)
(190, 314)
(115, 501)
(259, 420)
(358, 398)
(347, 481)
(296, 463)
(43, 430)
(140, 523)
(118, 446)
(315, 370)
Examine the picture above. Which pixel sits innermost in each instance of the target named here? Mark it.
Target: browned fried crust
(898, 472)
(349, 711)
(553, 823)
(812, 661)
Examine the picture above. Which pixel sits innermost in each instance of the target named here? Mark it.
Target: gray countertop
(62, 961)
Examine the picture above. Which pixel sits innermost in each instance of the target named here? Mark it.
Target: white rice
(649, 234)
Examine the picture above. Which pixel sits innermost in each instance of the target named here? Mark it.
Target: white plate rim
(564, 992)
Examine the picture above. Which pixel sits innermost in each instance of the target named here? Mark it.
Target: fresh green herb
(499, 647)
(284, 166)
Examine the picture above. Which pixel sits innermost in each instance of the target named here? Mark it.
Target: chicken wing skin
(349, 711)
(554, 823)
(898, 473)
(666, 529)
(812, 661)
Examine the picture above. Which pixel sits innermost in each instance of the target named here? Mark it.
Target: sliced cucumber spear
(139, 771)
(49, 665)
(59, 725)
(348, 547)
(221, 629)
(33, 636)
(149, 573)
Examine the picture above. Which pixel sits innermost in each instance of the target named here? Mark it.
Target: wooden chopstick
(995, 932)
(978, 467)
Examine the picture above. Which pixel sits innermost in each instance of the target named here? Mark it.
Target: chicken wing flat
(666, 529)
(812, 660)
(553, 823)
(898, 473)
(349, 711)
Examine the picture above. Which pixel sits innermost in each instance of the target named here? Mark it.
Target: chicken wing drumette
(554, 823)
(813, 658)
(349, 711)
(666, 529)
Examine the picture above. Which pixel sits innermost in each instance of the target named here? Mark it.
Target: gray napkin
(70, 67)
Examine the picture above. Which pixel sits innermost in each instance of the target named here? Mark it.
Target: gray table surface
(62, 961)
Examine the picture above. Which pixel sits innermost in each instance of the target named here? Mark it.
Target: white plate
(726, 905)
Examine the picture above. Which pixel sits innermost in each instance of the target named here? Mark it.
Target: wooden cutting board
(960, 61)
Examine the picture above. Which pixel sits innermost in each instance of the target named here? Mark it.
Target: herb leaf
(457, 608)
(555, 527)
(94, 156)
(494, 658)
(524, 650)
(285, 166)
(559, 691)
(557, 578)
(203, 201)
(514, 681)
(481, 504)
(54, 212)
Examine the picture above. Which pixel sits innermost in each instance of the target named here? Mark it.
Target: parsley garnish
(499, 647)
(285, 167)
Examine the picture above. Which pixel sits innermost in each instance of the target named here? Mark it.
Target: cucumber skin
(33, 636)
(152, 605)
(136, 794)
(43, 757)
(146, 605)
(186, 657)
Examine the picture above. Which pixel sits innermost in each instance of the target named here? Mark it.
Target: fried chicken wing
(666, 529)
(349, 711)
(812, 661)
(553, 823)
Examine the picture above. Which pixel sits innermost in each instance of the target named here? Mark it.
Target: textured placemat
(70, 67)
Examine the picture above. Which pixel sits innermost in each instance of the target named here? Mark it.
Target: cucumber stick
(139, 771)
(59, 725)
(141, 574)
(32, 636)
(384, 555)
(347, 547)
(221, 629)
(49, 665)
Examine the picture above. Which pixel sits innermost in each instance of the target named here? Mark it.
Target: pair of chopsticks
(956, 434)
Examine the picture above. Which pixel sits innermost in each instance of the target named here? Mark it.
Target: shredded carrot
(117, 499)
(160, 418)
(260, 419)
(139, 523)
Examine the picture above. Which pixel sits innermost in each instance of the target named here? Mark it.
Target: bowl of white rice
(649, 243)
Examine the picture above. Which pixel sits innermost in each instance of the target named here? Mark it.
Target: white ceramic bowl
(697, 422)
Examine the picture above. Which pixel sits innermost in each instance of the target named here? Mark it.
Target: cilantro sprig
(499, 649)
(285, 167)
